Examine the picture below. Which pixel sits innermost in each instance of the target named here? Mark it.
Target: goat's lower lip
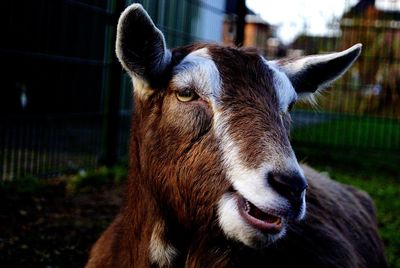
(261, 220)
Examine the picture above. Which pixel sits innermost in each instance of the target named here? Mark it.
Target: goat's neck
(171, 246)
(157, 237)
(162, 241)
(165, 243)
(151, 240)
(140, 213)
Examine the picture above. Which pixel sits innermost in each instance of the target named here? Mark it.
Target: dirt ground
(53, 228)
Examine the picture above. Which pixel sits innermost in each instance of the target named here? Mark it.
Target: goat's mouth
(262, 220)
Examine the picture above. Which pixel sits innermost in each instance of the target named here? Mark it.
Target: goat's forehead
(199, 70)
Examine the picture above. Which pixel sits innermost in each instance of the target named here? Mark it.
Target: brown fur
(177, 177)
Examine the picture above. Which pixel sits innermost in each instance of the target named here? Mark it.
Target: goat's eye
(186, 95)
(290, 107)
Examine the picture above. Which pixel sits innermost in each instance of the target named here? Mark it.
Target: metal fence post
(111, 88)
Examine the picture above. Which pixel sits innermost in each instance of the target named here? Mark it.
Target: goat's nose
(290, 186)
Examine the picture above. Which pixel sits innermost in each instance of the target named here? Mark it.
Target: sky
(294, 16)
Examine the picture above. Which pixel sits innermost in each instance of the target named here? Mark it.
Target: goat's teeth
(247, 206)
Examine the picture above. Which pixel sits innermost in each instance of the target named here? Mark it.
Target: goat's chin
(238, 227)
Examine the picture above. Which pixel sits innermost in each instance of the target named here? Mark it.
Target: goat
(213, 179)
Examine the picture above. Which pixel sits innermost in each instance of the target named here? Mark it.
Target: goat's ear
(311, 73)
(140, 46)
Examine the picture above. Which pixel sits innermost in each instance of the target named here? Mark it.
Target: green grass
(353, 132)
(376, 173)
(385, 192)
(91, 180)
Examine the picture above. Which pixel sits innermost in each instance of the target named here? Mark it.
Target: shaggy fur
(178, 171)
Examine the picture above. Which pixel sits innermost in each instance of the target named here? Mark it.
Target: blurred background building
(65, 102)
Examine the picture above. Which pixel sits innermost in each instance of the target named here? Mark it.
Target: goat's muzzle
(269, 221)
(292, 187)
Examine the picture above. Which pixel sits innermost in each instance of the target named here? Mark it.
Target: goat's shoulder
(344, 217)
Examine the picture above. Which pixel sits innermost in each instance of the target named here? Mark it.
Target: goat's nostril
(291, 187)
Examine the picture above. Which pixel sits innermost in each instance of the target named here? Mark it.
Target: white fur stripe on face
(198, 70)
(252, 183)
(249, 182)
(283, 87)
